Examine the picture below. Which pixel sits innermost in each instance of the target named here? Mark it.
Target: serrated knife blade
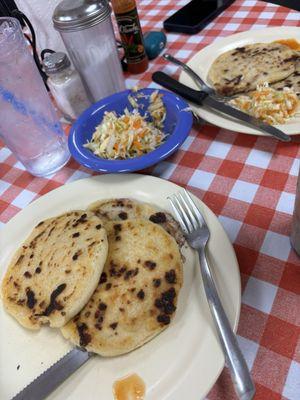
(49, 380)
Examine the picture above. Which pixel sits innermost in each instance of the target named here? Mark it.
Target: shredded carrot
(137, 124)
(142, 134)
(137, 144)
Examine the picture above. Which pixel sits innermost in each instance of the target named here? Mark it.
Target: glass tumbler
(28, 122)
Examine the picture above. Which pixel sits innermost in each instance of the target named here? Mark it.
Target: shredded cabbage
(270, 105)
(129, 135)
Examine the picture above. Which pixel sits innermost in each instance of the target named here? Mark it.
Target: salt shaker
(86, 29)
(295, 234)
(65, 85)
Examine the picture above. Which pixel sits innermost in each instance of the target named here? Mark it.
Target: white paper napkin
(40, 13)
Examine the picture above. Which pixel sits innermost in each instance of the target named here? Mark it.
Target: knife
(207, 99)
(49, 380)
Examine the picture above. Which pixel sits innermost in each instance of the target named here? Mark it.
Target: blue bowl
(177, 126)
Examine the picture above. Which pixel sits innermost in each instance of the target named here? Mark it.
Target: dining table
(248, 181)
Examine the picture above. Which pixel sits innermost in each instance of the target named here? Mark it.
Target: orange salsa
(291, 43)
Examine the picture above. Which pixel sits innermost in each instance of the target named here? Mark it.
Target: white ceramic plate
(181, 363)
(202, 61)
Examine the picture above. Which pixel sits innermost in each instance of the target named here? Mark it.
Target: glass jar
(87, 32)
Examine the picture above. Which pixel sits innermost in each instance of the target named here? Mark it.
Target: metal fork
(197, 234)
(197, 79)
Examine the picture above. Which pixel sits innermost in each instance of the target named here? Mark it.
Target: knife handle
(195, 96)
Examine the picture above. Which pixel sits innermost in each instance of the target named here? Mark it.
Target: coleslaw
(269, 105)
(129, 135)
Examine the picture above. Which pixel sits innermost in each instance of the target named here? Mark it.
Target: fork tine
(189, 212)
(184, 214)
(178, 215)
(195, 208)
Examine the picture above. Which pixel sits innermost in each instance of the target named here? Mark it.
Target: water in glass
(28, 122)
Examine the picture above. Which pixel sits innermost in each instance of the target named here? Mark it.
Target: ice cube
(6, 29)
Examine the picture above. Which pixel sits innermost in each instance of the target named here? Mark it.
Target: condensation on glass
(29, 124)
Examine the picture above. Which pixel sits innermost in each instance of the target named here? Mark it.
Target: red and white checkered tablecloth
(248, 181)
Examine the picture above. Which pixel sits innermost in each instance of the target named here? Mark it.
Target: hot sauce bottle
(131, 35)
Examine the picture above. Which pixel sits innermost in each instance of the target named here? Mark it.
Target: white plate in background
(202, 61)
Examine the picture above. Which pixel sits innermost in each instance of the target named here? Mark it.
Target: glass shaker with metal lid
(86, 29)
(65, 85)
